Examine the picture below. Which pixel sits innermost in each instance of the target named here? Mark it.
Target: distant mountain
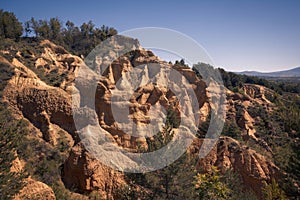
(286, 73)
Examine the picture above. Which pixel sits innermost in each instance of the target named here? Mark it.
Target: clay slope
(253, 167)
(48, 108)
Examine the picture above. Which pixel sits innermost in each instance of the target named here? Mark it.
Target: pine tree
(10, 27)
(209, 185)
(273, 191)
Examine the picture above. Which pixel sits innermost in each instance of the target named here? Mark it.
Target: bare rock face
(144, 97)
(35, 190)
(258, 93)
(41, 104)
(86, 174)
(17, 165)
(253, 167)
(59, 58)
(49, 109)
(144, 57)
(49, 105)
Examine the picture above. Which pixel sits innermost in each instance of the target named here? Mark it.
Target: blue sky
(239, 35)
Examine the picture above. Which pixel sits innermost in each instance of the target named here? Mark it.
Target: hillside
(37, 82)
(281, 74)
(69, 133)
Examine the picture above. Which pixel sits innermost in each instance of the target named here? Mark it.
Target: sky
(261, 35)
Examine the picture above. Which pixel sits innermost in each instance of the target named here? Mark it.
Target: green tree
(209, 185)
(78, 40)
(87, 29)
(160, 139)
(272, 191)
(166, 183)
(173, 118)
(10, 27)
(27, 28)
(32, 26)
(55, 27)
(43, 29)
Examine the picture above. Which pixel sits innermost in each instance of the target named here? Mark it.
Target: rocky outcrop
(35, 190)
(56, 57)
(49, 105)
(259, 93)
(239, 105)
(41, 104)
(253, 167)
(17, 165)
(49, 109)
(144, 57)
(84, 173)
(136, 71)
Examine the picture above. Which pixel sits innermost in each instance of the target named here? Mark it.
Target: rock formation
(253, 167)
(48, 108)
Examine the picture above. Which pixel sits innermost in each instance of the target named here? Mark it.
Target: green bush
(209, 185)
